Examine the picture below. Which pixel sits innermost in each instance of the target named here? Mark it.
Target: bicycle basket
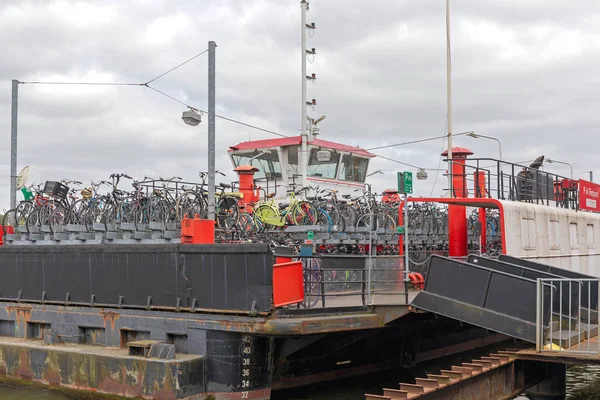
(27, 194)
(56, 189)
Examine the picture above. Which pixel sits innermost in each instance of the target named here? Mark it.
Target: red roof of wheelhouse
(296, 140)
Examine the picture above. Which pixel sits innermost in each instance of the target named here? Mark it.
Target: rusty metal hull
(86, 349)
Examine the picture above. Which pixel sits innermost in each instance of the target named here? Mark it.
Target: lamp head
(473, 135)
(191, 118)
(321, 118)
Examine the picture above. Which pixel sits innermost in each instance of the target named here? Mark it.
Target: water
(583, 383)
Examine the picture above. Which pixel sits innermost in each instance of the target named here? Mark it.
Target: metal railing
(508, 181)
(339, 281)
(573, 315)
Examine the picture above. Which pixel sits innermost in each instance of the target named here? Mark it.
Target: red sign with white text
(589, 196)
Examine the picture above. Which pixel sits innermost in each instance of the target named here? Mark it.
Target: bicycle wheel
(32, 223)
(10, 222)
(246, 226)
(189, 204)
(364, 221)
(324, 219)
(227, 214)
(385, 220)
(93, 212)
(130, 212)
(45, 214)
(263, 213)
(334, 215)
(348, 215)
(303, 213)
(58, 219)
(110, 217)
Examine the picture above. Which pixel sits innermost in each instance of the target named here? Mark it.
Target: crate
(56, 189)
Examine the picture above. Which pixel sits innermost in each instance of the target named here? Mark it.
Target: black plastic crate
(56, 189)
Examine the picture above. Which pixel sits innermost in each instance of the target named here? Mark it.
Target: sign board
(405, 182)
(400, 230)
(589, 196)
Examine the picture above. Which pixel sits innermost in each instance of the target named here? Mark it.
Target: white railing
(567, 315)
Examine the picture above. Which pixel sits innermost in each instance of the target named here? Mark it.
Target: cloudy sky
(524, 71)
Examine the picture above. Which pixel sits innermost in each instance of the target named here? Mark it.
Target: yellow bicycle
(295, 212)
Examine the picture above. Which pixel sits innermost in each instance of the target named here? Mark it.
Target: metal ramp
(589, 293)
(566, 305)
(490, 298)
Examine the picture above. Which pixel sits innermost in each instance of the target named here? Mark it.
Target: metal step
(445, 379)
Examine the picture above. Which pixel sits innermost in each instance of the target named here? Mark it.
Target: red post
(401, 223)
(457, 215)
(480, 192)
(9, 230)
(197, 231)
(247, 187)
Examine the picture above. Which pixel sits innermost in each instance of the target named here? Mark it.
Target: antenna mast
(449, 98)
(304, 5)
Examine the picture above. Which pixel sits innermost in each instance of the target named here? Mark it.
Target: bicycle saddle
(270, 195)
(224, 185)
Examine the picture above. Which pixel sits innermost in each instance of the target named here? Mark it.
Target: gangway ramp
(485, 297)
(589, 293)
(565, 300)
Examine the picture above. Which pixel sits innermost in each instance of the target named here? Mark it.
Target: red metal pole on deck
(457, 215)
(480, 192)
(401, 223)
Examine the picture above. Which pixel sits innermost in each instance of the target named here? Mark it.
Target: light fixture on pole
(258, 155)
(421, 174)
(314, 129)
(480, 135)
(374, 172)
(549, 161)
(191, 117)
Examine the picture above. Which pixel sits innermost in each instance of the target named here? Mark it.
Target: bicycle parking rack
(350, 236)
(123, 233)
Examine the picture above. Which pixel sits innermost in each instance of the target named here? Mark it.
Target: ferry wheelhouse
(330, 165)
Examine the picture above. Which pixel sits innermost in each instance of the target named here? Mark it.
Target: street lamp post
(13, 143)
(561, 162)
(211, 128)
(479, 135)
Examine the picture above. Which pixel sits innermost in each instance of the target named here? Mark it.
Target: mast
(449, 97)
(303, 159)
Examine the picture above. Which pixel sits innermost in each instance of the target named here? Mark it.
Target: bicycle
(296, 212)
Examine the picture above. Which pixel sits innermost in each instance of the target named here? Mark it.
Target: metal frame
(546, 335)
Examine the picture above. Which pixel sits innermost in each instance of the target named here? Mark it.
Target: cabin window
(326, 168)
(353, 169)
(553, 231)
(267, 162)
(528, 233)
(590, 236)
(573, 235)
